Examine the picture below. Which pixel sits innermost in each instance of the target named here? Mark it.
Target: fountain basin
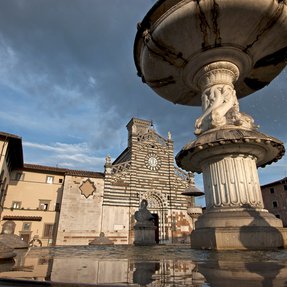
(177, 37)
(266, 149)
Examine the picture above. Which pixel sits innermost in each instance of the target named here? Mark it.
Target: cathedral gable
(151, 138)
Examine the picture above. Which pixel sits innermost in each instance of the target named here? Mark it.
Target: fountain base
(240, 228)
(239, 238)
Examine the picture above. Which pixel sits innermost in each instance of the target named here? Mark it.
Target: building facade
(33, 202)
(57, 206)
(81, 208)
(145, 170)
(275, 198)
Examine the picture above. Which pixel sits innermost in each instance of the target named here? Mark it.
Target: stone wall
(81, 210)
(275, 199)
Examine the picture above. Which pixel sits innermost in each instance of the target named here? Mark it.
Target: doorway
(156, 224)
(25, 237)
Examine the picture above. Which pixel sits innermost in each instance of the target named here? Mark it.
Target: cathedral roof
(124, 156)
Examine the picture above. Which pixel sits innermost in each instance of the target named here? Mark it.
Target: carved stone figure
(143, 215)
(10, 239)
(8, 227)
(221, 108)
(144, 228)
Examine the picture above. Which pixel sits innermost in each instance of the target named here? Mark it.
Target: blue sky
(68, 85)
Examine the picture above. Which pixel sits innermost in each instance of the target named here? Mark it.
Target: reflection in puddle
(148, 266)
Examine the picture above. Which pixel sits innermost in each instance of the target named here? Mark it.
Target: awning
(22, 218)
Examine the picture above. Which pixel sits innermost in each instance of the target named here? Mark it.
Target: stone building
(61, 206)
(275, 198)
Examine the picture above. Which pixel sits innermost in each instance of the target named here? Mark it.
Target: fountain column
(232, 181)
(230, 176)
(227, 150)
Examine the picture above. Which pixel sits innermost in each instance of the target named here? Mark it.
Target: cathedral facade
(82, 204)
(144, 170)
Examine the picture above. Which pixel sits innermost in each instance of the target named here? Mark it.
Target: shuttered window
(48, 231)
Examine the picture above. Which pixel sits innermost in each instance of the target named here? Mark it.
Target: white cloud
(67, 75)
(58, 147)
(77, 156)
(92, 81)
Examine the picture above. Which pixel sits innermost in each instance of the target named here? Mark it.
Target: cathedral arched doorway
(157, 205)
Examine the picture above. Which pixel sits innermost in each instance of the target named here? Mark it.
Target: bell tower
(136, 127)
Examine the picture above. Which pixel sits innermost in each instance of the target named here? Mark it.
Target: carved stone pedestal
(144, 234)
(144, 228)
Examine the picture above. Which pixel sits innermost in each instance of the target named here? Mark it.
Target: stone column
(230, 179)
(232, 182)
(218, 97)
(227, 151)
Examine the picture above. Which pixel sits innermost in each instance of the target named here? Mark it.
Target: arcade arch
(159, 207)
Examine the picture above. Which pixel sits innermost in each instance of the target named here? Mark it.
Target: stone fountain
(212, 53)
